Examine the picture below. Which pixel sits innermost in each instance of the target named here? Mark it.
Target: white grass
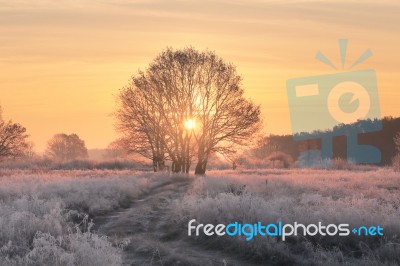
(305, 196)
(39, 212)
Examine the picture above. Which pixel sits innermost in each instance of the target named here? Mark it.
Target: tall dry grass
(306, 196)
(45, 216)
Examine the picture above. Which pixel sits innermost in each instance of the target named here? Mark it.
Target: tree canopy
(187, 104)
(62, 147)
(12, 139)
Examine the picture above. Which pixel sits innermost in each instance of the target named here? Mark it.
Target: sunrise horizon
(63, 65)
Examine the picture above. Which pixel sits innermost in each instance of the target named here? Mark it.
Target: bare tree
(141, 125)
(115, 150)
(186, 103)
(171, 83)
(12, 139)
(30, 150)
(63, 147)
(226, 118)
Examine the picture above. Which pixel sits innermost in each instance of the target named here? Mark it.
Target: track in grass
(152, 240)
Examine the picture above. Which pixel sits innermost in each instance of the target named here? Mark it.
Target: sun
(190, 124)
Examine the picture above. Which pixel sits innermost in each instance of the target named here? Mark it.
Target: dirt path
(145, 224)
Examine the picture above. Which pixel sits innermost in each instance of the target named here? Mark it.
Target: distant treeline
(382, 139)
(44, 165)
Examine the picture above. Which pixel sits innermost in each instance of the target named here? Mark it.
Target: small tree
(63, 147)
(30, 151)
(396, 162)
(12, 139)
(115, 150)
(282, 157)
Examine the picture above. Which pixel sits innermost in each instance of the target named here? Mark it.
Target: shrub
(342, 164)
(236, 189)
(396, 163)
(282, 157)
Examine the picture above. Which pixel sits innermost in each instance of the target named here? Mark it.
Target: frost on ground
(306, 196)
(141, 218)
(45, 217)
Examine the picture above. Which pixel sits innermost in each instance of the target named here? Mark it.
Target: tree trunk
(201, 167)
(176, 167)
(155, 168)
(158, 164)
(187, 167)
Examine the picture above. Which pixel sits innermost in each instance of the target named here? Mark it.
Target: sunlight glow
(190, 124)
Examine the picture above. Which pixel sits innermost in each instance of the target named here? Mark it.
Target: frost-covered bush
(313, 159)
(283, 158)
(79, 248)
(39, 213)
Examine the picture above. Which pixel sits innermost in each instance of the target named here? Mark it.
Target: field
(121, 217)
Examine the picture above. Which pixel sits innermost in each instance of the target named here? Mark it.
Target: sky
(62, 62)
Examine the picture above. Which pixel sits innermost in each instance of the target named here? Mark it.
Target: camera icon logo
(358, 93)
(339, 104)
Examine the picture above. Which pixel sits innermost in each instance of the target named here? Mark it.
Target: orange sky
(63, 62)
